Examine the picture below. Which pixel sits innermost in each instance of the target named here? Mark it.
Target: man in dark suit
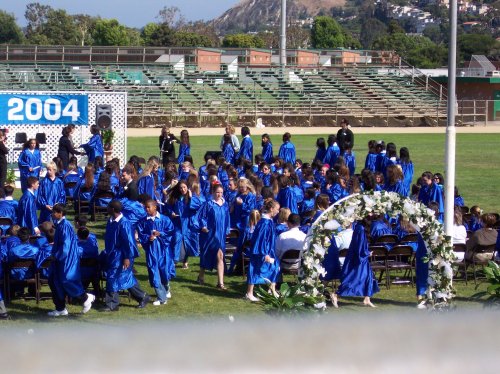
(129, 184)
(344, 135)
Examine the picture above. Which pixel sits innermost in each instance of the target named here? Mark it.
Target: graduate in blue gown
(286, 196)
(155, 235)
(421, 268)
(182, 208)
(379, 227)
(287, 149)
(213, 219)
(146, 183)
(88, 248)
(184, 148)
(394, 181)
(29, 162)
(26, 214)
(246, 148)
(7, 210)
(227, 149)
(407, 167)
(120, 252)
(371, 157)
(44, 244)
(230, 197)
(94, 146)
(430, 192)
(22, 251)
(320, 150)
(264, 265)
(267, 149)
(332, 152)
(65, 277)
(350, 158)
(357, 278)
(50, 192)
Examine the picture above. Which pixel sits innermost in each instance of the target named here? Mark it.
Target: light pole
(450, 126)
(283, 35)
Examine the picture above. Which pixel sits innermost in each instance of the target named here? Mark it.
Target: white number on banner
(71, 110)
(17, 107)
(34, 110)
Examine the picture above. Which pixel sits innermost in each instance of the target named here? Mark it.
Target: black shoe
(4, 316)
(144, 301)
(108, 309)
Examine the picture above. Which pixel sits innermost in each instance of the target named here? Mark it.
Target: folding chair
(68, 186)
(378, 262)
(488, 252)
(231, 243)
(461, 248)
(33, 280)
(290, 262)
(101, 210)
(401, 257)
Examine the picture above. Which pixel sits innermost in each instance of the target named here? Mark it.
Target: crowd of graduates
(176, 211)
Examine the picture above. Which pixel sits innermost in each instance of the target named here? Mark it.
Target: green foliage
(107, 136)
(191, 39)
(10, 32)
(60, 28)
(110, 32)
(290, 300)
(11, 177)
(36, 16)
(243, 41)
(475, 44)
(492, 272)
(327, 33)
(371, 29)
(429, 56)
(162, 35)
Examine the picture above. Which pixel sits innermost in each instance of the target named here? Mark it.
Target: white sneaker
(252, 298)
(57, 313)
(88, 303)
(159, 302)
(422, 305)
(169, 295)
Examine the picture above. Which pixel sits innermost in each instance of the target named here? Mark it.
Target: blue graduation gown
(459, 201)
(266, 179)
(186, 226)
(379, 228)
(216, 219)
(287, 152)
(184, 150)
(397, 187)
(50, 193)
(242, 211)
(26, 214)
(28, 160)
(432, 193)
(44, 252)
(331, 262)
(88, 249)
(146, 184)
(350, 161)
(228, 153)
(320, 154)
(336, 192)
(287, 199)
(246, 149)
(7, 210)
(357, 276)
(267, 152)
(332, 153)
(161, 267)
(281, 228)
(22, 251)
(371, 162)
(133, 211)
(263, 243)
(82, 194)
(70, 191)
(422, 268)
(65, 269)
(94, 147)
(407, 175)
(119, 245)
(230, 196)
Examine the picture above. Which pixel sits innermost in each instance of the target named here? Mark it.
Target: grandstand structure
(202, 86)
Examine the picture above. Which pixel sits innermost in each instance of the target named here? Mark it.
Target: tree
(203, 28)
(134, 37)
(10, 32)
(191, 39)
(36, 16)
(84, 24)
(110, 32)
(428, 56)
(326, 33)
(371, 29)
(298, 37)
(60, 28)
(172, 17)
(161, 36)
(243, 41)
(475, 44)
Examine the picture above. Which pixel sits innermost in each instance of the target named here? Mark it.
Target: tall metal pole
(283, 35)
(450, 128)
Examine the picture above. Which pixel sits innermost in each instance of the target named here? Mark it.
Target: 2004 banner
(35, 109)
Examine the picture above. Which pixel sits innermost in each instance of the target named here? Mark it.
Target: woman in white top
(234, 139)
(459, 233)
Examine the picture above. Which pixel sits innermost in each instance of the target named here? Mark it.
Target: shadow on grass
(215, 292)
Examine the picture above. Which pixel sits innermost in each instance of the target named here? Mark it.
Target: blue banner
(17, 109)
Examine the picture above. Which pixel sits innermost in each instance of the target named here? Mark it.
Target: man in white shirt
(343, 240)
(291, 239)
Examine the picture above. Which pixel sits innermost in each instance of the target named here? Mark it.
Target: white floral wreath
(358, 206)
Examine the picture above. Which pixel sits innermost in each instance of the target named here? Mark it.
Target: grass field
(477, 160)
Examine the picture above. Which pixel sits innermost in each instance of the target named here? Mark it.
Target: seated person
(293, 238)
(7, 210)
(44, 245)
(88, 249)
(9, 192)
(27, 210)
(12, 239)
(483, 237)
(282, 224)
(22, 251)
(71, 176)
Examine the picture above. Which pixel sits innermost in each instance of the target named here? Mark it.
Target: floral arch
(358, 206)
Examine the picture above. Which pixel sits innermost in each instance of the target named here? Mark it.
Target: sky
(132, 13)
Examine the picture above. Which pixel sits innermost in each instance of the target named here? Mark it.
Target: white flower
(409, 208)
(332, 225)
(318, 249)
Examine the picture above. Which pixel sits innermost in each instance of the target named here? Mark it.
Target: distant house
(469, 25)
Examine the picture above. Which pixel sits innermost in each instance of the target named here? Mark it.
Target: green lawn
(477, 159)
